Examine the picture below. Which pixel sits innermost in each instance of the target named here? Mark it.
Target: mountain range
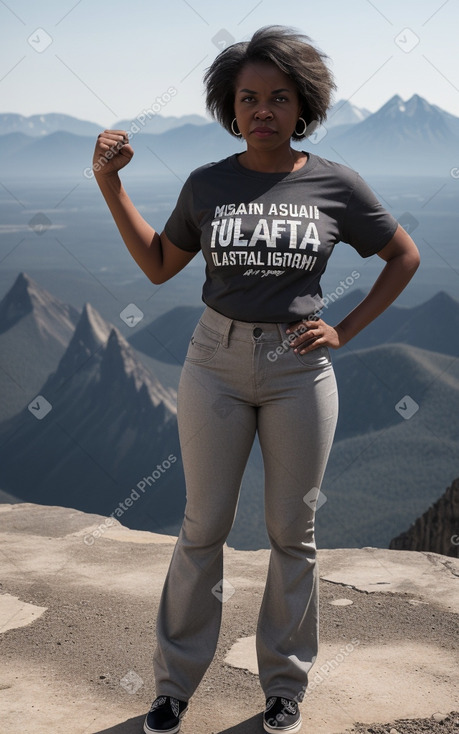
(433, 325)
(341, 113)
(111, 423)
(409, 138)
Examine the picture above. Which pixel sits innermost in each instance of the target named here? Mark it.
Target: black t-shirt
(267, 237)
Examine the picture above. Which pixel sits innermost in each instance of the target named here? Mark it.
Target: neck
(272, 161)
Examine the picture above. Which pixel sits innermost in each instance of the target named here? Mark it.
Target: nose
(263, 113)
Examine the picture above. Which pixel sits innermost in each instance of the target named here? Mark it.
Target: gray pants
(239, 378)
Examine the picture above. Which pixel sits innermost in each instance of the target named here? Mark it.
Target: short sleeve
(367, 226)
(182, 228)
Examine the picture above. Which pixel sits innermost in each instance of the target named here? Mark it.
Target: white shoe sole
(289, 729)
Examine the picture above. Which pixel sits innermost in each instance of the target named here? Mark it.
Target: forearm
(395, 276)
(142, 241)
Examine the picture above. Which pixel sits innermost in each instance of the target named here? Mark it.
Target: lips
(263, 132)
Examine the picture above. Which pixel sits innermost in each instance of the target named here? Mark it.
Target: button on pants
(240, 378)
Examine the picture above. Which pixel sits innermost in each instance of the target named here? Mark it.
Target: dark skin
(267, 99)
(267, 109)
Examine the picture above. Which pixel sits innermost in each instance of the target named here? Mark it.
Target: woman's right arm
(155, 254)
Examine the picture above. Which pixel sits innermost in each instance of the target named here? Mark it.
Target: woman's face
(266, 106)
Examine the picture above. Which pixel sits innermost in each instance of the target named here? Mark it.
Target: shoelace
(158, 702)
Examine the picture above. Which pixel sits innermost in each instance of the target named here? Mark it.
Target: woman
(266, 221)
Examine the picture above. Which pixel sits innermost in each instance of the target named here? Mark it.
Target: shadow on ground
(135, 726)
(131, 726)
(249, 726)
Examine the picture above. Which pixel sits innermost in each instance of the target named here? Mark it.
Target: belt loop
(225, 340)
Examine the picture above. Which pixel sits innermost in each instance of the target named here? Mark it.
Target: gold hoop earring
(304, 129)
(238, 133)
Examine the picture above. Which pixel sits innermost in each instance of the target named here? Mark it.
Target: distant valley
(112, 422)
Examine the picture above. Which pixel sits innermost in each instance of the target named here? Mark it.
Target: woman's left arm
(402, 260)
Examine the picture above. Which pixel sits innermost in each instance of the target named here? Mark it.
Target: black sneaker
(165, 715)
(281, 714)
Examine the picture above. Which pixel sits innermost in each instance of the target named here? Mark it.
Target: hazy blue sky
(103, 61)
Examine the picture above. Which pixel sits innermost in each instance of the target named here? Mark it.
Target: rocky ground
(440, 725)
(77, 634)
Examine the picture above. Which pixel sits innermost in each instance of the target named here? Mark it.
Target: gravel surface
(99, 627)
(447, 724)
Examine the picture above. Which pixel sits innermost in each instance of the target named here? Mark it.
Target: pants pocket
(203, 345)
(319, 357)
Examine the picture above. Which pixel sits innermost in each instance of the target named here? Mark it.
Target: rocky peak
(122, 371)
(19, 301)
(437, 529)
(89, 338)
(25, 297)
